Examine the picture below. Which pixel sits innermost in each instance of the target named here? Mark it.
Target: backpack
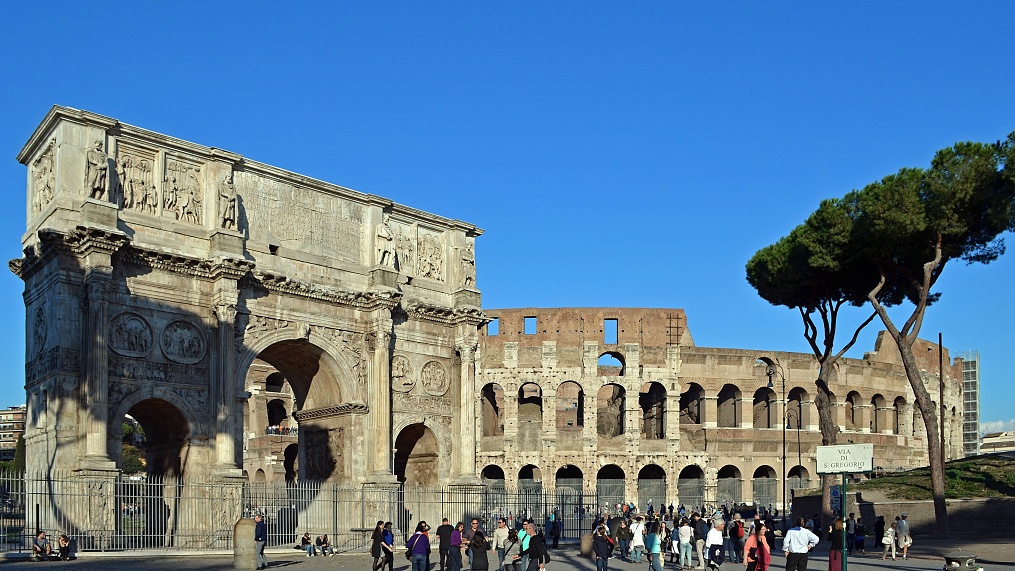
(738, 529)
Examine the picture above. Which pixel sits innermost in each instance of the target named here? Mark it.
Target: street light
(799, 424)
(772, 370)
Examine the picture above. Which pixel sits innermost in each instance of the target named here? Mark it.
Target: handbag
(408, 548)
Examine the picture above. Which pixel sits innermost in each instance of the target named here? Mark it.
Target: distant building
(12, 426)
(970, 402)
(998, 442)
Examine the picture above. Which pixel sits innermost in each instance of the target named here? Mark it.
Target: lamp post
(772, 370)
(799, 424)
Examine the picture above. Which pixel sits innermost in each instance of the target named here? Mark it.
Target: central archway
(416, 456)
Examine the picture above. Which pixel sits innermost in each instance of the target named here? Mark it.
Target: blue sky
(617, 154)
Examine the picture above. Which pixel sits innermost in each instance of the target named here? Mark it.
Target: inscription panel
(293, 214)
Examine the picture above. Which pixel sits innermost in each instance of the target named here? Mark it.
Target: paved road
(563, 560)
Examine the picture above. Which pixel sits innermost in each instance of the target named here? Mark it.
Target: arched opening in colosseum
(652, 400)
(852, 416)
(492, 396)
(530, 479)
(291, 462)
(879, 414)
(569, 477)
(260, 477)
(798, 479)
(611, 364)
(610, 406)
(492, 476)
(728, 407)
(310, 377)
(898, 418)
(764, 411)
(530, 417)
(691, 404)
(570, 406)
(796, 412)
(417, 459)
(691, 487)
(277, 415)
(765, 486)
(652, 486)
(610, 485)
(730, 485)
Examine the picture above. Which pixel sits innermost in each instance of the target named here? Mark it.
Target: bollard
(244, 552)
(586, 546)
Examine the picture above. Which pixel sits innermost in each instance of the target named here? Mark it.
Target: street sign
(845, 459)
(836, 499)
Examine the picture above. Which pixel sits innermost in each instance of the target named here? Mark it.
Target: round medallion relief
(434, 379)
(130, 335)
(183, 342)
(403, 378)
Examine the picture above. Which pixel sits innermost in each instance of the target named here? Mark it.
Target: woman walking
(419, 545)
(480, 548)
(757, 553)
(835, 551)
(375, 546)
(624, 537)
(511, 552)
(889, 541)
(455, 552)
(684, 535)
(388, 546)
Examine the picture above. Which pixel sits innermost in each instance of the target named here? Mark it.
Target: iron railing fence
(111, 511)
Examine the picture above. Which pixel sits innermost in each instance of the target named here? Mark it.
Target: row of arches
(570, 407)
(611, 483)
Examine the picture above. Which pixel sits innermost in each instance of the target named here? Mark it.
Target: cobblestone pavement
(565, 559)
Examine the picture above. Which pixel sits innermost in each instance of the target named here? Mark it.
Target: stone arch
(611, 402)
(852, 403)
(729, 407)
(493, 475)
(765, 486)
(160, 418)
(291, 462)
(275, 382)
(764, 409)
(277, 414)
(530, 416)
(691, 487)
(879, 416)
(652, 401)
(439, 431)
(610, 485)
(530, 478)
(898, 417)
(417, 456)
(492, 416)
(652, 485)
(796, 412)
(691, 404)
(569, 476)
(730, 485)
(259, 477)
(570, 406)
(611, 364)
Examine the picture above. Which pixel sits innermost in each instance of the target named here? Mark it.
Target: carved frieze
(438, 405)
(183, 196)
(44, 178)
(53, 360)
(342, 409)
(157, 372)
(422, 311)
(39, 331)
(130, 335)
(405, 247)
(285, 285)
(291, 213)
(434, 378)
(430, 255)
(135, 180)
(183, 342)
(403, 378)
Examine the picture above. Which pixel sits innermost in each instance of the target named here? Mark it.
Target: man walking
(467, 536)
(904, 538)
(700, 532)
(714, 544)
(799, 541)
(444, 534)
(260, 540)
(850, 533)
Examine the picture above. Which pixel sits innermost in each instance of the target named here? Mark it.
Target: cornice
(342, 409)
(442, 315)
(214, 269)
(366, 300)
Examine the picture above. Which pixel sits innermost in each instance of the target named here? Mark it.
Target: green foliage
(131, 461)
(18, 464)
(982, 477)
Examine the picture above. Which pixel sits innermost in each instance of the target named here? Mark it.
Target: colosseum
(623, 402)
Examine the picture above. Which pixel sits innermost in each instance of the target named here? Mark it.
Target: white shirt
(638, 531)
(685, 534)
(799, 540)
(714, 537)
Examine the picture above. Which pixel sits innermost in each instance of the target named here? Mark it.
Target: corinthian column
(467, 415)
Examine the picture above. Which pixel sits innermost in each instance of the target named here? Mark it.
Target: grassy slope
(984, 477)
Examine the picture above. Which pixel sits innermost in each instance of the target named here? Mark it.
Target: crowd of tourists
(521, 548)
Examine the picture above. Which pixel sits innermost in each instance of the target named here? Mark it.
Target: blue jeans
(311, 550)
(636, 553)
(419, 562)
(624, 544)
(729, 545)
(656, 561)
(685, 555)
(601, 563)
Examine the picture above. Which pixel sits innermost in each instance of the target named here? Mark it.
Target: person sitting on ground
(324, 545)
(308, 544)
(41, 550)
(64, 544)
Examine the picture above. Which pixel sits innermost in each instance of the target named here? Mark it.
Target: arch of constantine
(265, 328)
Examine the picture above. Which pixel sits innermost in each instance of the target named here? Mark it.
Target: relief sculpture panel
(430, 257)
(44, 178)
(183, 197)
(183, 342)
(403, 378)
(130, 335)
(434, 378)
(135, 184)
(304, 216)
